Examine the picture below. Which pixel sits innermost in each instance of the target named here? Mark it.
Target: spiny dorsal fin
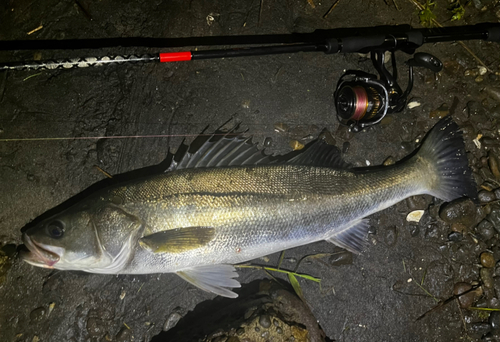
(212, 278)
(222, 149)
(178, 240)
(352, 237)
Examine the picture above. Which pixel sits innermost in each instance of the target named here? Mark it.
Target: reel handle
(426, 60)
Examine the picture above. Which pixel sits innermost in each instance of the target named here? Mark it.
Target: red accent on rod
(175, 56)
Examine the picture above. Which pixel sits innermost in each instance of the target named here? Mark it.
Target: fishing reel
(363, 99)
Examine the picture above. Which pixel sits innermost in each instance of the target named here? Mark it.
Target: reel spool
(362, 99)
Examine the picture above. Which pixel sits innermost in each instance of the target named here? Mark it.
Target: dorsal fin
(222, 149)
(319, 153)
(233, 149)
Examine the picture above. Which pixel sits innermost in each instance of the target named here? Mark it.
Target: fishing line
(121, 137)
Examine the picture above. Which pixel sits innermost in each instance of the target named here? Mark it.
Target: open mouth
(37, 255)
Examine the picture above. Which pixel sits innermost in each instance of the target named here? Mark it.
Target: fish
(227, 202)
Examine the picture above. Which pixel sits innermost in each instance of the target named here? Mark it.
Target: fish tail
(443, 152)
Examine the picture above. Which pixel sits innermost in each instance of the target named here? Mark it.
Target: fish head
(95, 236)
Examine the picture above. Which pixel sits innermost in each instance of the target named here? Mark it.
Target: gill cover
(92, 236)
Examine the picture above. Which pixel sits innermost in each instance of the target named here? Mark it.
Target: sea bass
(228, 203)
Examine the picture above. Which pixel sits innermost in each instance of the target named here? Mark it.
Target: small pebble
(268, 142)
(494, 321)
(462, 210)
(474, 108)
(296, 145)
(479, 329)
(51, 308)
(281, 127)
(485, 229)
(345, 147)
(407, 146)
(455, 237)
(493, 163)
(489, 142)
(441, 112)
(458, 227)
(487, 259)
(415, 216)
(494, 303)
(486, 275)
(494, 92)
(467, 299)
(485, 196)
(327, 136)
(471, 72)
(389, 161)
(124, 335)
(265, 321)
(413, 103)
(171, 321)
(37, 314)
(494, 216)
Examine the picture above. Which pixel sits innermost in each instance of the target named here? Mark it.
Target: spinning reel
(363, 99)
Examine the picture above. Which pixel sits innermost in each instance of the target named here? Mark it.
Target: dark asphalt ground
(376, 298)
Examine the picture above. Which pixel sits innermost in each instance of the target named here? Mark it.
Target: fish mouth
(37, 254)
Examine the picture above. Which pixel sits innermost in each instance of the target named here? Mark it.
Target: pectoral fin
(178, 240)
(352, 237)
(212, 278)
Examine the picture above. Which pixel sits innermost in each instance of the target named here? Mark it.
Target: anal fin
(352, 237)
(212, 278)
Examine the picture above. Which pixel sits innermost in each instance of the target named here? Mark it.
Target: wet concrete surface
(378, 296)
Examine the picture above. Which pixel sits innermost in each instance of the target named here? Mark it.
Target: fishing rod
(361, 99)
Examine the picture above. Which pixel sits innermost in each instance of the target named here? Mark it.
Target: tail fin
(443, 148)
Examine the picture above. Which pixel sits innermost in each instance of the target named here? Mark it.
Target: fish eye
(56, 229)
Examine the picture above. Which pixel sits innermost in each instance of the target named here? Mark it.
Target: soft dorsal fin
(212, 278)
(319, 153)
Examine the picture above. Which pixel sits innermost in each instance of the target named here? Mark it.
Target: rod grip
(357, 44)
(494, 34)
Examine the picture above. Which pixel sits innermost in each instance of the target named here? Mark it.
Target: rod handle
(494, 34)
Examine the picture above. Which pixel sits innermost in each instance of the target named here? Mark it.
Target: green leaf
(281, 259)
(457, 9)
(426, 16)
(296, 286)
